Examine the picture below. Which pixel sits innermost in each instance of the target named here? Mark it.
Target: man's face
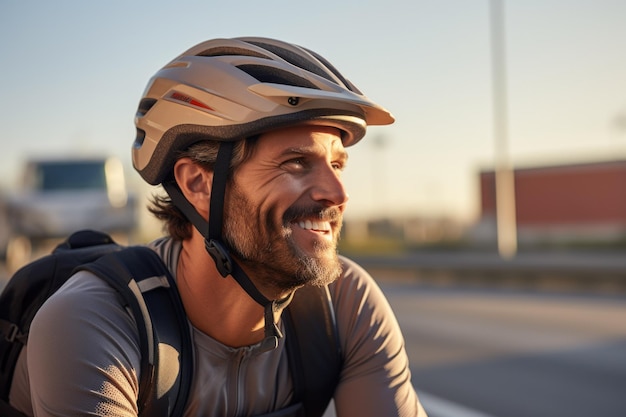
(285, 205)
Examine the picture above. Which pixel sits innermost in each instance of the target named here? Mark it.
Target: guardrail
(569, 271)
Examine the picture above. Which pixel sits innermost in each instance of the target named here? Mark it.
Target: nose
(328, 187)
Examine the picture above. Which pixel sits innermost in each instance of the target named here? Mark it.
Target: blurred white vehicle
(60, 196)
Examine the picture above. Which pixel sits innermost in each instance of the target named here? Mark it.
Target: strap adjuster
(220, 256)
(12, 333)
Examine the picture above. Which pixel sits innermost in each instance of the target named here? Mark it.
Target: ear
(195, 184)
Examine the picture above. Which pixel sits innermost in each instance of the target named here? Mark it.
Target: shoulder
(83, 349)
(375, 378)
(85, 304)
(364, 317)
(356, 286)
(353, 276)
(84, 291)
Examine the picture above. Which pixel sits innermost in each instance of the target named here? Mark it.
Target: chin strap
(212, 232)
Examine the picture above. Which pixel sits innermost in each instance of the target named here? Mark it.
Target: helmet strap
(212, 232)
(213, 235)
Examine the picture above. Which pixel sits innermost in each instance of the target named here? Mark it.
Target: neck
(215, 305)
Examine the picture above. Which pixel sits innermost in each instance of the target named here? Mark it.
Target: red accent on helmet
(186, 99)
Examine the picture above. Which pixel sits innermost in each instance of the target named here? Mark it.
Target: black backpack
(147, 287)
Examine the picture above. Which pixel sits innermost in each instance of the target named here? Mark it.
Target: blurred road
(502, 353)
(516, 354)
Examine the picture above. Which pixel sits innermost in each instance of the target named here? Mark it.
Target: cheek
(278, 194)
(269, 195)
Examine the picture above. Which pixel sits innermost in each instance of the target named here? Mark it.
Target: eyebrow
(342, 154)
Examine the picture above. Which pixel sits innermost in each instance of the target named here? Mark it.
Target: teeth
(314, 225)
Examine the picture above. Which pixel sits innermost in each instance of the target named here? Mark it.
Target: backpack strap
(8, 411)
(150, 292)
(313, 348)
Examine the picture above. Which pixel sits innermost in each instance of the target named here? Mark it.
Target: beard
(269, 252)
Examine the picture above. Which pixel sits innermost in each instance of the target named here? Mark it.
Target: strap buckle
(12, 333)
(220, 255)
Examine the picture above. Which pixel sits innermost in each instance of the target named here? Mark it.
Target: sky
(72, 74)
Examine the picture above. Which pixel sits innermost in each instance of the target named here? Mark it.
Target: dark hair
(203, 153)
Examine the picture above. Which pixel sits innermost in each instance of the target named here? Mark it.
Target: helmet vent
(296, 59)
(332, 69)
(229, 50)
(139, 139)
(273, 75)
(145, 105)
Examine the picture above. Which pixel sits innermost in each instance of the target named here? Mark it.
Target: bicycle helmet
(230, 89)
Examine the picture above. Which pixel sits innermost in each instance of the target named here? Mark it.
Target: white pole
(504, 174)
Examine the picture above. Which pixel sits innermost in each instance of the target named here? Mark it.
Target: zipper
(236, 382)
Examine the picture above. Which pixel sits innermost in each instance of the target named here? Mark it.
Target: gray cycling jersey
(83, 357)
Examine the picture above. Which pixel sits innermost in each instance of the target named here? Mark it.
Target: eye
(295, 164)
(339, 165)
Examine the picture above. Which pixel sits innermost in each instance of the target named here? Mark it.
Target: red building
(567, 202)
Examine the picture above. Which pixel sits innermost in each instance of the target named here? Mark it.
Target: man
(248, 138)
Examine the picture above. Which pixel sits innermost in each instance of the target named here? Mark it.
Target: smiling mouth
(315, 226)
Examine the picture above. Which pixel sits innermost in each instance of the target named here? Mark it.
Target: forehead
(306, 138)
